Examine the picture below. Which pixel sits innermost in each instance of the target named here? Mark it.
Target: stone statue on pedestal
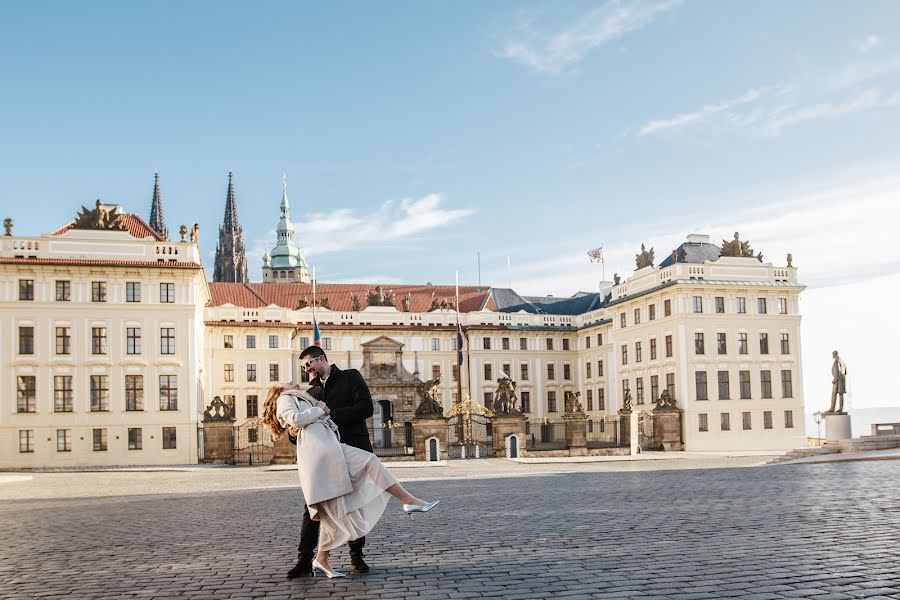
(838, 383)
(429, 407)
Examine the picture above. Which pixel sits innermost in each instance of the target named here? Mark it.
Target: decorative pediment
(382, 344)
(100, 219)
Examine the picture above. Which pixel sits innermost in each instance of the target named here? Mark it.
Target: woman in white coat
(347, 489)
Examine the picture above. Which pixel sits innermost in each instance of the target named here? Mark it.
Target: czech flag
(459, 345)
(317, 336)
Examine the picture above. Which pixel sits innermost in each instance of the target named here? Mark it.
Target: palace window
(169, 438)
(229, 372)
(229, 341)
(724, 385)
(565, 343)
(99, 393)
(98, 340)
(99, 440)
(567, 372)
(168, 392)
(135, 438)
(725, 422)
(523, 371)
(273, 341)
(435, 371)
(549, 343)
(745, 421)
(670, 384)
(599, 368)
(454, 372)
(304, 342)
(486, 343)
(624, 354)
(667, 308)
(98, 292)
(668, 346)
(700, 381)
(788, 419)
(63, 291)
(134, 392)
(26, 289)
(252, 405)
(785, 343)
(622, 320)
(167, 340)
(525, 398)
(639, 390)
(63, 340)
(654, 388)
(551, 371)
(26, 440)
(26, 340)
(699, 345)
(787, 386)
(722, 343)
(488, 371)
(599, 339)
(551, 401)
(744, 384)
(741, 306)
(782, 306)
(274, 372)
(587, 341)
(638, 354)
(703, 420)
(504, 343)
(523, 343)
(435, 344)
(653, 349)
(132, 291)
(251, 372)
(763, 343)
(62, 394)
(743, 346)
(26, 394)
(601, 398)
(326, 343)
(63, 440)
(765, 382)
(587, 370)
(133, 340)
(720, 304)
(167, 293)
(652, 312)
(761, 306)
(590, 399)
(698, 304)
(767, 419)
(251, 341)
(637, 316)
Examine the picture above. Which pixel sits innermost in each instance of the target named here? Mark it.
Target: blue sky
(414, 135)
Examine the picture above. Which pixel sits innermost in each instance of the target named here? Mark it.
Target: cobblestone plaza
(583, 531)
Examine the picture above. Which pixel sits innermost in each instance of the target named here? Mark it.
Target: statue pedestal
(503, 426)
(667, 428)
(626, 428)
(424, 446)
(576, 433)
(837, 427)
(218, 439)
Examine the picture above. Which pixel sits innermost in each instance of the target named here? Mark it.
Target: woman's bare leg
(400, 493)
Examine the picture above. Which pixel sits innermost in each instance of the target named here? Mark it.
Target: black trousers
(309, 529)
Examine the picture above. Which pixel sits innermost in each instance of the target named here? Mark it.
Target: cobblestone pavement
(805, 531)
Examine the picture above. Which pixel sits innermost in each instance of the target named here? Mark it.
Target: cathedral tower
(157, 222)
(231, 257)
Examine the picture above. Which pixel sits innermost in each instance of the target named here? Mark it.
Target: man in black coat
(347, 396)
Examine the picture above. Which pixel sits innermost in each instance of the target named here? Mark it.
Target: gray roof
(691, 252)
(508, 300)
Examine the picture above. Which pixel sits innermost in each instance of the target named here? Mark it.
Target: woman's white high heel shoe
(330, 574)
(411, 508)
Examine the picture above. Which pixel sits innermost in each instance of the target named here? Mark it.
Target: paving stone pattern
(820, 531)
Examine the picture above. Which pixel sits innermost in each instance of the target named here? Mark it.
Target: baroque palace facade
(114, 342)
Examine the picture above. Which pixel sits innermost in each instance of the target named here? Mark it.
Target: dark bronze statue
(8, 225)
(429, 407)
(838, 384)
(645, 258)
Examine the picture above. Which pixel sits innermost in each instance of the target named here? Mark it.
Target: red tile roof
(133, 224)
(339, 295)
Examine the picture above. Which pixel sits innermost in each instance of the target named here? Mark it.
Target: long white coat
(324, 474)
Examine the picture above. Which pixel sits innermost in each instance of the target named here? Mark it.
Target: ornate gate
(469, 431)
(253, 443)
(646, 441)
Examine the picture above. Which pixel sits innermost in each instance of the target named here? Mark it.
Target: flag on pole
(459, 335)
(317, 336)
(596, 255)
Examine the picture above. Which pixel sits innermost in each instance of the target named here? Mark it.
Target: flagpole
(459, 361)
(316, 341)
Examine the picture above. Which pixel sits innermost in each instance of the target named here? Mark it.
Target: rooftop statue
(736, 247)
(645, 258)
(100, 219)
(379, 297)
(182, 231)
(354, 303)
(405, 302)
(8, 225)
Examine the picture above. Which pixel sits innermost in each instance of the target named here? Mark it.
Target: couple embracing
(346, 487)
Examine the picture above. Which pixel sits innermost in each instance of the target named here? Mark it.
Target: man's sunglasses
(305, 365)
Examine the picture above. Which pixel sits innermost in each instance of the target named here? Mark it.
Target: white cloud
(553, 52)
(786, 116)
(684, 119)
(867, 43)
(393, 222)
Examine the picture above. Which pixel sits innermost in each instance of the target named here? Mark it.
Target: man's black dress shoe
(303, 568)
(358, 565)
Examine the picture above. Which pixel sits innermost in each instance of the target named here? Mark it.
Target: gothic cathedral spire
(231, 257)
(157, 222)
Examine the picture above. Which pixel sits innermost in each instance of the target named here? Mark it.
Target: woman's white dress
(343, 486)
